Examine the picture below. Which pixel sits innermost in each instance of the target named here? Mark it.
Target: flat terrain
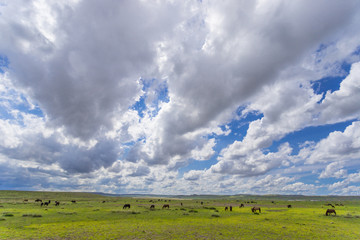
(95, 216)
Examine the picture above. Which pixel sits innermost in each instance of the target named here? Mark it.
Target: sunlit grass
(92, 218)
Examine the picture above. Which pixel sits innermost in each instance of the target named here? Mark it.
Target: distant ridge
(237, 196)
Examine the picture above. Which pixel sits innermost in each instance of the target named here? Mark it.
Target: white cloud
(334, 170)
(80, 62)
(338, 146)
(349, 186)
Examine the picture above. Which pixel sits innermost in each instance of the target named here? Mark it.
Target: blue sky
(187, 97)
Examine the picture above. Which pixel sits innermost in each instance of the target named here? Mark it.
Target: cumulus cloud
(90, 70)
(233, 160)
(338, 146)
(334, 170)
(342, 104)
(209, 79)
(123, 94)
(346, 186)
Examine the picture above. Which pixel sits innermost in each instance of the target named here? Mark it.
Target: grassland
(103, 217)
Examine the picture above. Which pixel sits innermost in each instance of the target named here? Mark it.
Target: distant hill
(12, 194)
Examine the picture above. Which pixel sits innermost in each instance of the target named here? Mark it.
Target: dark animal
(165, 206)
(330, 211)
(181, 204)
(226, 208)
(289, 206)
(230, 208)
(73, 201)
(152, 207)
(254, 209)
(57, 203)
(42, 204)
(242, 205)
(45, 203)
(202, 203)
(329, 204)
(26, 200)
(38, 200)
(103, 201)
(126, 206)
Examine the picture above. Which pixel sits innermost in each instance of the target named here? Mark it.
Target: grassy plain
(95, 216)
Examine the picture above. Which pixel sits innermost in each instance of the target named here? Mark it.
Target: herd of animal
(254, 209)
(46, 203)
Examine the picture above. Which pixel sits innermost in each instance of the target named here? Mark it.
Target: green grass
(90, 218)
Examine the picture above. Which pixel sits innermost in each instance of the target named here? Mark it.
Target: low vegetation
(93, 216)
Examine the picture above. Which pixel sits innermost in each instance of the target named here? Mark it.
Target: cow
(152, 207)
(57, 203)
(226, 208)
(38, 200)
(230, 208)
(126, 206)
(289, 206)
(165, 206)
(73, 201)
(241, 205)
(330, 211)
(254, 209)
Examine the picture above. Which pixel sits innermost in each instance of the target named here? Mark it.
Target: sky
(180, 97)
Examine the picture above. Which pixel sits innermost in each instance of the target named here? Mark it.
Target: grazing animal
(73, 201)
(42, 204)
(152, 207)
(330, 211)
(38, 200)
(202, 203)
(230, 208)
(226, 208)
(254, 209)
(289, 206)
(57, 203)
(126, 206)
(45, 203)
(26, 200)
(181, 204)
(165, 206)
(241, 205)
